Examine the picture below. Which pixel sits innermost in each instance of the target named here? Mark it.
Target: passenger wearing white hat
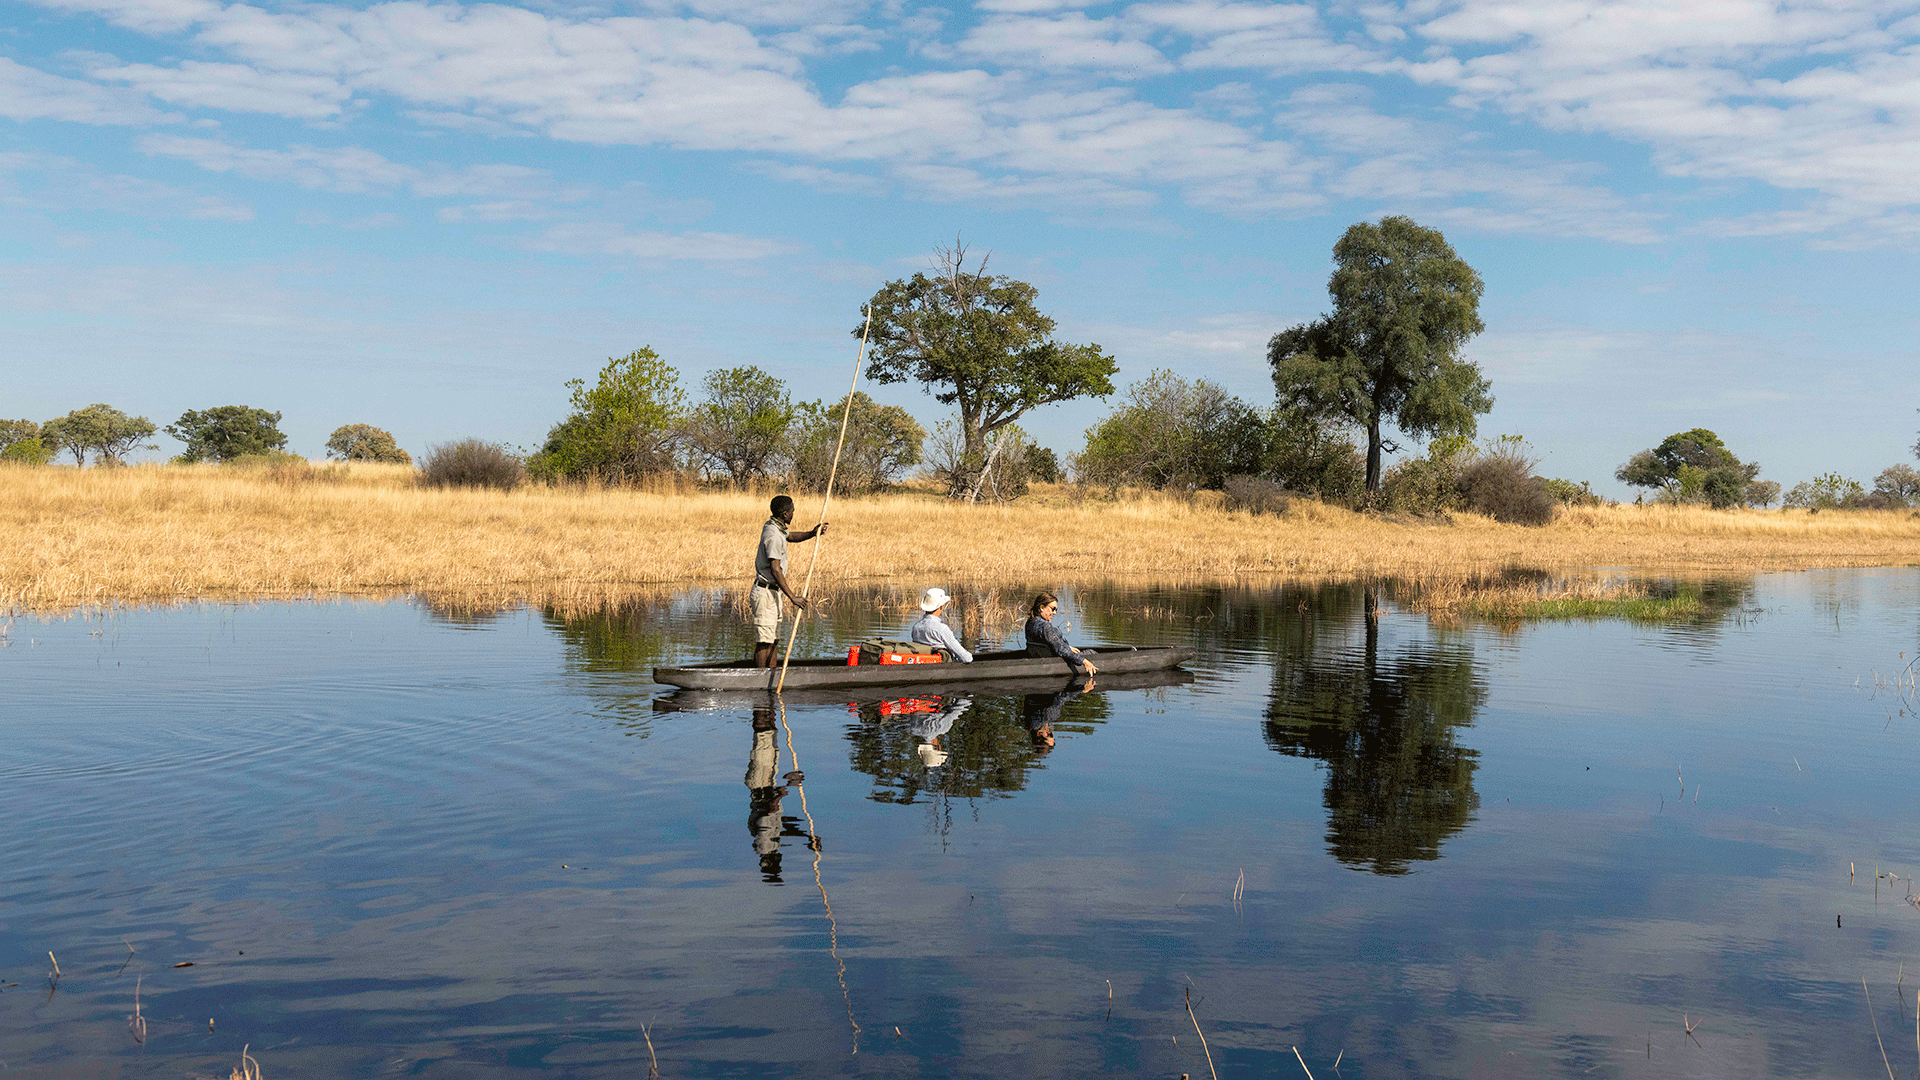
(930, 630)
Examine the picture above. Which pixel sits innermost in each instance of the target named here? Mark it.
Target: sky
(429, 216)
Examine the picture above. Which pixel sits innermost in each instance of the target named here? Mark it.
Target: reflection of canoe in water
(685, 700)
(987, 669)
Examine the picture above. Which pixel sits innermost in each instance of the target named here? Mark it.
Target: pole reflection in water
(1397, 784)
(798, 779)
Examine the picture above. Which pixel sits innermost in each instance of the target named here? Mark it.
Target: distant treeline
(1386, 357)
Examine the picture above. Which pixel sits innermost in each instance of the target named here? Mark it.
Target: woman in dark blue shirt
(1045, 639)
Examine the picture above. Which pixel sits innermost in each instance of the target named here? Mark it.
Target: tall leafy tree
(741, 422)
(99, 429)
(364, 442)
(625, 426)
(225, 432)
(1403, 306)
(978, 342)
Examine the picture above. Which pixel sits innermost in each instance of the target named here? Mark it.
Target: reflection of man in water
(764, 821)
(1039, 711)
(930, 726)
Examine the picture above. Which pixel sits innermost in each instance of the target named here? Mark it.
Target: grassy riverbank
(160, 534)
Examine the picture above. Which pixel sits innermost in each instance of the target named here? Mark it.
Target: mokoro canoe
(986, 667)
(684, 700)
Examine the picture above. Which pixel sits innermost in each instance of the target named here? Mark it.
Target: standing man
(770, 577)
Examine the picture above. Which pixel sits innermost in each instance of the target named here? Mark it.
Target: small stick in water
(1203, 1035)
(1303, 1062)
(137, 1023)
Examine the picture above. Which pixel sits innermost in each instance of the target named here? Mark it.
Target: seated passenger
(1045, 639)
(930, 630)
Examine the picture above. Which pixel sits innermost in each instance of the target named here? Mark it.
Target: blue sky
(429, 216)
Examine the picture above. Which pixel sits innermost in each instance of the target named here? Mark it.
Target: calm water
(392, 841)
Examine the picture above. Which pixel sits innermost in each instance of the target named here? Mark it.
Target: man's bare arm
(780, 579)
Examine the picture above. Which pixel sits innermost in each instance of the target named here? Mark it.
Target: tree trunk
(986, 467)
(1373, 454)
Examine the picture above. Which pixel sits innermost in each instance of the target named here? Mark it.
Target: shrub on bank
(1500, 484)
(1256, 495)
(472, 463)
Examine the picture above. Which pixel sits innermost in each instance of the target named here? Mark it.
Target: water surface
(392, 840)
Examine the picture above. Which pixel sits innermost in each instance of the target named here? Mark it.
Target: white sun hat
(931, 756)
(934, 599)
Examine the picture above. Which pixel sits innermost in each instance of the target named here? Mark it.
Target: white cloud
(1065, 41)
(354, 170)
(342, 169)
(1702, 85)
(829, 39)
(234, 88)
(36, 181)
(487, 213)
(1818, 96)
(1275, 38)
(834, 180)
(601, 238)
(30, 94)
(1406, 165)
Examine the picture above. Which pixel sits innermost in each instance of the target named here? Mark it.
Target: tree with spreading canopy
(101, 429)
(1403, 306)
(977, 342)
(1691, 466)
(226, 432)
(625, 426)
(364, 442)
(740, 425)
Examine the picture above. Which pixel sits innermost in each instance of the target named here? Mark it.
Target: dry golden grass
(159, 534)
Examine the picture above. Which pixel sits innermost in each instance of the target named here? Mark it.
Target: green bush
(226, 432)
(1570, 493)
(1829, 492)
(1171, 433)
(739, 427)
(1043, 464)
(627, 426)
(29, 451)
(364, 442)
(882, 442)
(1312, 454)
(472, 463)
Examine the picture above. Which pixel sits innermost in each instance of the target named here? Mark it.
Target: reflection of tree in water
(989, 750)
(1397, 785)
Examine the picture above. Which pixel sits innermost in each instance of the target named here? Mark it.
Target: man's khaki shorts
(766, 614)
